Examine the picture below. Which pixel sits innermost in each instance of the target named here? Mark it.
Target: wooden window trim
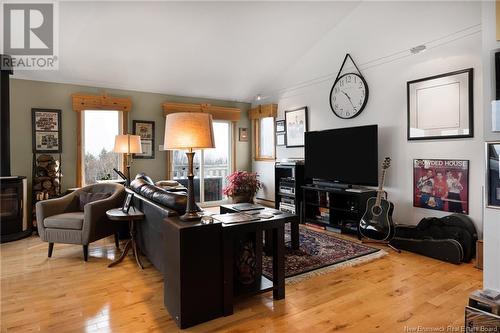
(263, 111)
(82, 102)
(256, 142)
(497, 4)
(217, 112)
(255, 114)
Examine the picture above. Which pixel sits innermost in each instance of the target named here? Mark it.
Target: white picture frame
(295, 127)
(280, 139)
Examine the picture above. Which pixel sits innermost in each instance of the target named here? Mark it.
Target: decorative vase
(242, 198)
(245, 263)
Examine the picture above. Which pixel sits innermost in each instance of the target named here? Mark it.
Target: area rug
(319, 253)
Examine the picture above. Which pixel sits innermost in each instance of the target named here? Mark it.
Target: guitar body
(377, 223)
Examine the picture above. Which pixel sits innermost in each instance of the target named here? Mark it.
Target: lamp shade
(188, 130)
(128, 144)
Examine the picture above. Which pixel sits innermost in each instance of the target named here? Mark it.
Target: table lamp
(189, 131)
(128, 144)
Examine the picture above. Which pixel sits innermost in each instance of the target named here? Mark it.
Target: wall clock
(349, 93)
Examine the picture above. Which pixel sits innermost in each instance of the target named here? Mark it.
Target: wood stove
(13, 209)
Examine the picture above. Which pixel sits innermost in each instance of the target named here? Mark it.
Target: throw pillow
(86, 198)
(167, 183)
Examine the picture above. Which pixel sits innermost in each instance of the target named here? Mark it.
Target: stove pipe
(5, 72)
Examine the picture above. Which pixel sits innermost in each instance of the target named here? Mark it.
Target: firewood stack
(46, 181)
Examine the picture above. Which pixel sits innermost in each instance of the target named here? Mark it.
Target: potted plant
(242, 186)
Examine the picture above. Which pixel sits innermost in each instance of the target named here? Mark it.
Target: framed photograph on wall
(295, 127)
(146, 130)
(441, 185)
(280, 126)
(441, 106)
(243, 134)
(493, 174)
(46, 131)
(280, 139)
(495, 116)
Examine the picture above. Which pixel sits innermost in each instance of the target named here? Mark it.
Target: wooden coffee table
(134, 215)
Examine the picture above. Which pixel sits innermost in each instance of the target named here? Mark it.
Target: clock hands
(349, 98)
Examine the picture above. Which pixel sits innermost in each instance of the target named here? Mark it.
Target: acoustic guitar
(377, 223)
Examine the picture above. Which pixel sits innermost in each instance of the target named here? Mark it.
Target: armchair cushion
(88, 197)
(73, 220)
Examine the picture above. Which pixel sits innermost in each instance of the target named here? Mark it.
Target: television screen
(344, 155)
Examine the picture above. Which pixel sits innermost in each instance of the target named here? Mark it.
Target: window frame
(82, 102)
(256, 140)
(121, 128)
(79, 141)
(201, 172)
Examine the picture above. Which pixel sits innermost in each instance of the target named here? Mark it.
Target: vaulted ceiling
(225, 50)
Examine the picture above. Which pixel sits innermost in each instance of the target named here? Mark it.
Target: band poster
(441, 185)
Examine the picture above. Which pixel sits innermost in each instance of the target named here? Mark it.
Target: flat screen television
(345, 155)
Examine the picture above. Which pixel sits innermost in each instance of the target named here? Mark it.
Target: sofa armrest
(95, 215)
(52, 207)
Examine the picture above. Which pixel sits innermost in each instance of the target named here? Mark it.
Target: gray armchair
(62, 221)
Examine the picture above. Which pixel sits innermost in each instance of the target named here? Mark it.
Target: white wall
(378, 29)
(491, 216)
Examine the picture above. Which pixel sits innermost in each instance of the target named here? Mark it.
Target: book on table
(230, 218)
(242, 207)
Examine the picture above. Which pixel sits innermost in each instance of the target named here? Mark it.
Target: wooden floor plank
(66, 294)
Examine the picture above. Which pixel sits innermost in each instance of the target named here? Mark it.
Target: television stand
(327, 184)
(334, 209)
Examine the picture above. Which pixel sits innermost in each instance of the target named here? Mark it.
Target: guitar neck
(381, 187)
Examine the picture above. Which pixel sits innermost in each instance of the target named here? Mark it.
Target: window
(99, 131)
(211, 166)
(264, 138)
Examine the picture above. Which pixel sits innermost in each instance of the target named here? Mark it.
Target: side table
(134, 215)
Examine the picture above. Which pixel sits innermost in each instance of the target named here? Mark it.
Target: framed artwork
(280, 126)
(441, 185)
(493, 174)
(295, 127)
(128, 202)
(146, 130)
(46, 131)
(243, 134)
(281, 139)
(441, 106)
(495, 116)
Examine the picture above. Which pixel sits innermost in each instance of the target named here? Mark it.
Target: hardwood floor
(66, 294)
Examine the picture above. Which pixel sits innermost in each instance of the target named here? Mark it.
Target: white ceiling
(225, 50)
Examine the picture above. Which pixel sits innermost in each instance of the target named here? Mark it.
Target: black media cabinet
(289, 179)
(334, 209)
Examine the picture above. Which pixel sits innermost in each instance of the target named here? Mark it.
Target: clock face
(349, 95)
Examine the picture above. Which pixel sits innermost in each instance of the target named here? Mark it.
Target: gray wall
(27, 94)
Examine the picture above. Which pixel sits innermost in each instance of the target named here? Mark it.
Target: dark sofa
(156, 203)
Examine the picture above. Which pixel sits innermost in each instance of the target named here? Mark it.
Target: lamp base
(190, 216)
(191, 209)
